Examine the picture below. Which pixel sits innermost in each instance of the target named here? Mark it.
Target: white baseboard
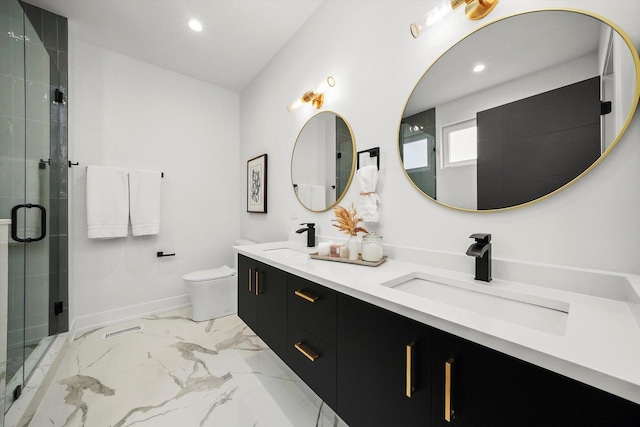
(83, 324)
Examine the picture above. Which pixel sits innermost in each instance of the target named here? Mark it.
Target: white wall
(367, 47)
(129, 114)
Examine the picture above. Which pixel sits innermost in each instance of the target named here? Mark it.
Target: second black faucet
(481, 250)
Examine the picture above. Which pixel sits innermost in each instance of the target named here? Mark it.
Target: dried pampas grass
(347, 220)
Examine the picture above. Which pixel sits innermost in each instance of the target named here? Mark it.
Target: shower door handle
(14, 223)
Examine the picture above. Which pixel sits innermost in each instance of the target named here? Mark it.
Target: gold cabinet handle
(447, 390)
(310, 354)
(409, 374)
(257, 282)
(250, 274)
(307, 297)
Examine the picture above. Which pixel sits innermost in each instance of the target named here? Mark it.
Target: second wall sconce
(474, 9)
(315, 96)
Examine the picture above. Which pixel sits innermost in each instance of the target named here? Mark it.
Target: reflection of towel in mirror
(312, 196)
(367, 204)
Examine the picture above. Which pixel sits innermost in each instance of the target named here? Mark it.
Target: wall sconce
(315, 96)
(474, 9)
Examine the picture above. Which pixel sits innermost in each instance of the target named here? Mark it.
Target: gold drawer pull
(307, 297)
(409, 374)
(447, 390)
(250, 274)
(310, 354)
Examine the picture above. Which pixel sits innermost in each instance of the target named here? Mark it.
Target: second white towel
(107, 202)
(144, 200)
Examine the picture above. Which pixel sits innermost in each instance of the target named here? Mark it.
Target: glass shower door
(12, 179)
(32, 165)
(37, 212)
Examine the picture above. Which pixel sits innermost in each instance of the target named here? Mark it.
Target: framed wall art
(257, 184)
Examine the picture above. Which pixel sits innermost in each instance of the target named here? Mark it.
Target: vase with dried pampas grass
(347, 221)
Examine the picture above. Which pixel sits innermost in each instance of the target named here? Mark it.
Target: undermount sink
(287, 252)
(544, 314)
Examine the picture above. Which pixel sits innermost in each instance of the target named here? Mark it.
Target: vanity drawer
(313, 307)
(314, 361)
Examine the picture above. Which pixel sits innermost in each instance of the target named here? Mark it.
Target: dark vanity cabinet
(384, 367)
(475, 386)
(262, 302)
(378, 368)
(311, 336)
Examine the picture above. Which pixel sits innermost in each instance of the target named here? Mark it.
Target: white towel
(318, 197)
(144, 195)
(304, 194)
(313, 196)
(107, 202)
(367, 204)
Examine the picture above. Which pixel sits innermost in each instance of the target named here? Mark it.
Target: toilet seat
(212, 274)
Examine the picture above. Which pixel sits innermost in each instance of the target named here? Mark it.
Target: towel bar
(373, 152)
(76, 164)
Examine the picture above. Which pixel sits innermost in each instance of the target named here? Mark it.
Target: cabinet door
(488, 388)
(271, 287)
(247, 298)
(380, 355)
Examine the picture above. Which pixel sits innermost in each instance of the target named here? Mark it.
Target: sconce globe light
(474, 9)
(315, 96)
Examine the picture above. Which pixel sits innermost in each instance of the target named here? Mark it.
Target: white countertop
(597, 342)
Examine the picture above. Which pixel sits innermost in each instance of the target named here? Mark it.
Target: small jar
(334, 250)
(372, 247)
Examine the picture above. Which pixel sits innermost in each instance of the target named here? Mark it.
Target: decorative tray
(358, 261)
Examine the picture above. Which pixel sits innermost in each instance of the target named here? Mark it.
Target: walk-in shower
(33, 184)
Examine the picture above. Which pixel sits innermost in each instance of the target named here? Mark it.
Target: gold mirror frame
(635, 58)
(294, 184)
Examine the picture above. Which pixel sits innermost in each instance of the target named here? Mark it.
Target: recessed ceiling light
(195, 25)
(478, 68)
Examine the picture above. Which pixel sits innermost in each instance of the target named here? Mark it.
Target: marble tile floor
(177, 372)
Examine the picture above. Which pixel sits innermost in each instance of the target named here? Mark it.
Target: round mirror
(323, 161)
(519, 109)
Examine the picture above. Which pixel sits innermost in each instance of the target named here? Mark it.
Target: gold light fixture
(315, 96)
(474, 9)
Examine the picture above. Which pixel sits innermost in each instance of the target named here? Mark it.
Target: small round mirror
(323, 161)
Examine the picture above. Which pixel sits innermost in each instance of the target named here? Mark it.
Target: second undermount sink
(544, 314)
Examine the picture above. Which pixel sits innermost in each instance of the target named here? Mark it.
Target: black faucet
(311, 233)
(481, 250)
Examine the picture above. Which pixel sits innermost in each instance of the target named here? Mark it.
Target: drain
(120, 332)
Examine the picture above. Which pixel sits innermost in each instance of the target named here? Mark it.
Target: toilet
(213, 292)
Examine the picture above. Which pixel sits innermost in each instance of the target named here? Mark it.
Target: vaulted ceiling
(238, 39)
